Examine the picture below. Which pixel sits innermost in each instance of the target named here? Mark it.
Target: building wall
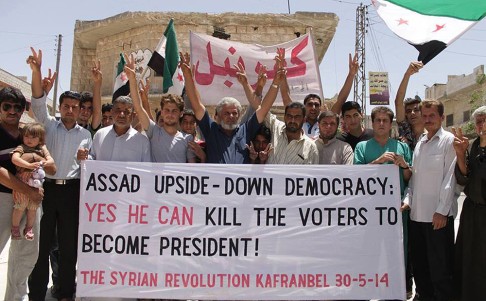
(460, 95)
(133, 31)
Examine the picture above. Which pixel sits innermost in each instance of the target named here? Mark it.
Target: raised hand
(96, 74)
(252, 152)
(130, 67)
(353, 64)
(241, 74)
(144, 89)
(263, 155)
(281, 70)
(35, 60)
(262, 80)
(414, 67)
(185, 64)
(48, 81)
(461, 143)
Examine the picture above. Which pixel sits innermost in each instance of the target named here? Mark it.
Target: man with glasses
(61, 202)
(23, 253)
(313, 103)
(332, 150)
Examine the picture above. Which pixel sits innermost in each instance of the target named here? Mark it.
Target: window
(450, 120)
(466, 116)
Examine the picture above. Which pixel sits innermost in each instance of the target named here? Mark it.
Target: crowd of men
(308, 134)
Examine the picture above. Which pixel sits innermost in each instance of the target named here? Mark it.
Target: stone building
(460, 95)
(131, 32)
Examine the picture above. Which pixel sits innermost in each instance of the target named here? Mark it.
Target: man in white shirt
(433, 206)
(291, 145)
(121, 142)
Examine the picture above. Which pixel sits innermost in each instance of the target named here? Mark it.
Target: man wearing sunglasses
(23, 253)
(61, 202)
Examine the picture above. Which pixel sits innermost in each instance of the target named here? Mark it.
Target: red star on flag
(179, 77)
(438, 27)
(401, 21)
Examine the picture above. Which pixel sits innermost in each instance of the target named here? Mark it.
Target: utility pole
(58, 61)
(360, 78)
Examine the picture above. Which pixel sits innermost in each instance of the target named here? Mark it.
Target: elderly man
(120, 142)
(226, 142)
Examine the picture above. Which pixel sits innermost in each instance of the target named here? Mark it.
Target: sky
(37, 23)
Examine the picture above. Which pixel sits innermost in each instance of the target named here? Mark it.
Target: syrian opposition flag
(121, 87)
(431, 25)
(165, 61)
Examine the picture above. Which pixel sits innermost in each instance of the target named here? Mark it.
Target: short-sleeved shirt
(167, 148)
(405, 131)
(7, 144)
(221, 148)
(353, 140)
(368, 151)
(298, 151)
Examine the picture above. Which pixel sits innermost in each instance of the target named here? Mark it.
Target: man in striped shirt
(291, 145)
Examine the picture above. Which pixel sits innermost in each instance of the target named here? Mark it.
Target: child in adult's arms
(30, 158)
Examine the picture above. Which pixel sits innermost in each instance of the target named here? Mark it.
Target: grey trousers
(22, 254)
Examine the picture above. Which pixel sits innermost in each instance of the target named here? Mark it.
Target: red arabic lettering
(299, 67)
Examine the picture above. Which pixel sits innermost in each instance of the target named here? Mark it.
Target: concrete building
(139, 32)
(460, 95)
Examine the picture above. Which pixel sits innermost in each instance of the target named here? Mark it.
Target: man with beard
(290, 144)
(313, 103)
(226, 142)
(168, 144)
(332, 150)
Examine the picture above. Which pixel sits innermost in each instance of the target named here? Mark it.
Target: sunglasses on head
(7, 106)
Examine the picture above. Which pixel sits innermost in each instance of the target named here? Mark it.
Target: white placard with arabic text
(215, 74)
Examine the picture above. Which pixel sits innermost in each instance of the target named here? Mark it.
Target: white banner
(215, 74)
(219, 232)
